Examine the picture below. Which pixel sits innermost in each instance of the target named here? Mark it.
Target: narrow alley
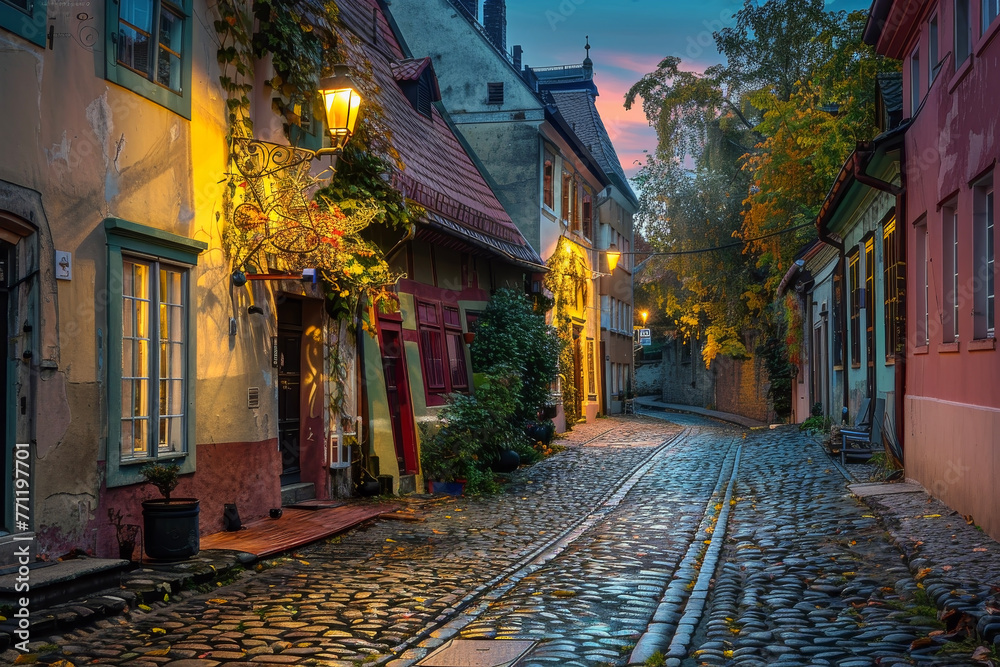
(604, 554)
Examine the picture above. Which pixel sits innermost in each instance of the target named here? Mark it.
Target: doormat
(479, 653)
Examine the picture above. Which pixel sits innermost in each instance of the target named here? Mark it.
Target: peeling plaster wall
(92, 149)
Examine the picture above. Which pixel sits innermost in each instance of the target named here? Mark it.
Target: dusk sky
(628, 39)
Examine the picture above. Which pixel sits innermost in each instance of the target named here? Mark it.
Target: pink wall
(953, 390)
(243, 473)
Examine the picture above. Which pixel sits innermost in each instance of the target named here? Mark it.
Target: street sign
(645, 341)
(643, 333)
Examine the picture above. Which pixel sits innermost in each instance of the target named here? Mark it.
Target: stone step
(296, 493)
(52, 583)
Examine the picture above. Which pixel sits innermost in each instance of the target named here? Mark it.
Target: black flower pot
(171, 528)
(508, 462)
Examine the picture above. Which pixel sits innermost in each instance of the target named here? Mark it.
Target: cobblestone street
(594, 553)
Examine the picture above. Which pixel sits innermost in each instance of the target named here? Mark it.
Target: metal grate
(479, 653)
(494, 93)
(253, 398)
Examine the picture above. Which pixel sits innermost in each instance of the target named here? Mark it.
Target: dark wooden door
(6, 412)
(290, 389)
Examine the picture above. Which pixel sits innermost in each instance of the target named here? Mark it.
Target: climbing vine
(277, 212)
(568, 279)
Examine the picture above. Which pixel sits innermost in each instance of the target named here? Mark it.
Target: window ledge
(549, 213)
(921, 349)
(890, 361)
(987, 37)
(983, 344)
(960, 74)
(948, 348)
(855, 366)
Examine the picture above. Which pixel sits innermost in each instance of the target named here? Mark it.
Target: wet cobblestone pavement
(580, 554)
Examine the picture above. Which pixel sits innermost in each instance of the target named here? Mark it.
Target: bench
(863, 442)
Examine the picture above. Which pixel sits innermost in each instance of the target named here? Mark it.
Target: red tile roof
(409, 70)
(438, 174)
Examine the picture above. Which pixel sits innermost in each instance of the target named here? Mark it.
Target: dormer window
(494, 93)
(416, 80)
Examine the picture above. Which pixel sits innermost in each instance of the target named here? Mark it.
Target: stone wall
(728, 385)
(649, 379)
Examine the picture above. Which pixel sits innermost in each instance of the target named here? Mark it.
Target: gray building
(541, 143)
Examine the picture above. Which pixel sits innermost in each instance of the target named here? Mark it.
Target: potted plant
(170, 525)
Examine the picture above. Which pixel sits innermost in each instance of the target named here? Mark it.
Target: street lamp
(342, 104)
(644, 314)
(613, 255)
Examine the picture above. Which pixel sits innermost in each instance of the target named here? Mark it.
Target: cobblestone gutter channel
(676, 619)
(467, 610)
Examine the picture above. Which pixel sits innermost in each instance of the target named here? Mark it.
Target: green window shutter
(26, 18)
(178, 101)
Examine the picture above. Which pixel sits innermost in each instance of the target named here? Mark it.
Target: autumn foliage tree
(746, 153)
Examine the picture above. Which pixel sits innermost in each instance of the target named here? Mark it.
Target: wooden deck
(296, 527)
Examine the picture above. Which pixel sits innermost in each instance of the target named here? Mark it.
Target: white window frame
(983, 263)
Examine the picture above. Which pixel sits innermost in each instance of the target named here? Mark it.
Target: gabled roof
(409, 69)
(438, 174)
(580, 111)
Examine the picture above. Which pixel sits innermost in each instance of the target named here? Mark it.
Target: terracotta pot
(469, 336)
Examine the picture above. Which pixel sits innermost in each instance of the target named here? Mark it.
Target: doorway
(6, 413)
(578, 368)
(398, 396)
(290, 390)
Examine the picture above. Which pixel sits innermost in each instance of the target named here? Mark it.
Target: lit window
(151, 375)
(854, 276)
(547, 197)
(891, 277)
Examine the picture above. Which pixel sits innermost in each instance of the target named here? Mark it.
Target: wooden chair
(864, 418)
(864, 442)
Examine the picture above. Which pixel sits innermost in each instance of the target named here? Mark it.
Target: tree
(747, 151)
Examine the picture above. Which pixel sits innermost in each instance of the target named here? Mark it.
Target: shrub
(815, 424)
(474, 430)
(511, 338)
(163, 477)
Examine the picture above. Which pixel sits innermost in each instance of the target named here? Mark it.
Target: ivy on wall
(287, 218)
(569, 280)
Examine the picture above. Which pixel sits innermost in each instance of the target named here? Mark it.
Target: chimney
(495, 22)
(471, 7)
(518, 51)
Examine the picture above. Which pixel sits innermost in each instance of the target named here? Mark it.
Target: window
(547, 172)
(891, 284)
(431, 348)
(870, 301)
(854, 276)
(442, 348)
(567, 197)
(933, 50)
(914, 82)
(26, 18)
(154, 303)
(149, 50)
(990, 11)
(591, 371)
(983, 261)
(577, 205)
(494, 93)
(963, 32)
(588, 212)
(922, 285)
(151, 376)
(949, 272)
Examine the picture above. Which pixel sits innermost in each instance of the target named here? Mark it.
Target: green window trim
(28, 24)
(126, 238)
(178, 102)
